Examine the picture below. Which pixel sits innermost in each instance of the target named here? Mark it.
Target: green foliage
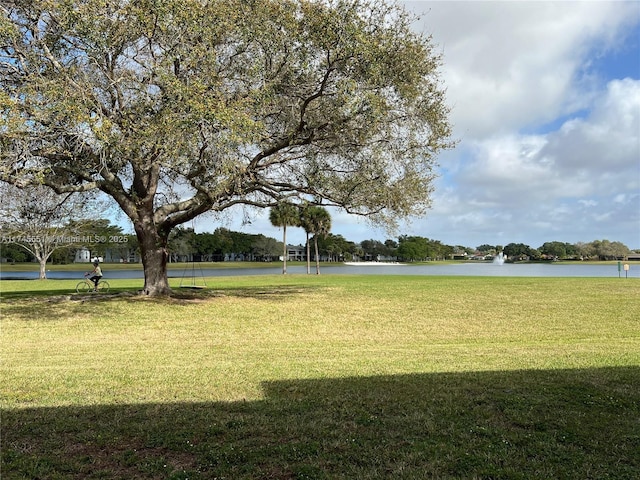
(517, 251)
(556, 249)
(487, 248)
(265, 248)
(13, 253)
(607, 250)
(413, 248)
(601, 249)
(337, 247)
(284, 214)
(375, 248)
(315, 220)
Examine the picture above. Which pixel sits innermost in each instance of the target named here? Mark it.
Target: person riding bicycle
(95, 275)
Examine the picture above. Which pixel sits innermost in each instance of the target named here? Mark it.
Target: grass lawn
(323, 377)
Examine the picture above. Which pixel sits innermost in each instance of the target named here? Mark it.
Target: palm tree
(318, 221)
(281, 215)
(305, 223)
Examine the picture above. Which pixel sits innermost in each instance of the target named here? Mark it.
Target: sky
(545, 104)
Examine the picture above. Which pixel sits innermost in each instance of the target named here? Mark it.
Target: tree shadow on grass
(61, 304)
(56, 294)
(521, 424)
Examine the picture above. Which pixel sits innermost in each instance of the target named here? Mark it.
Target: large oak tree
(178, 107)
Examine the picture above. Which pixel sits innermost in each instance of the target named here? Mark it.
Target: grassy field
(323, 377)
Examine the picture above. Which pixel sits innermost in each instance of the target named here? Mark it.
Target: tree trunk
(315, 243)
(284, 256)
(43, 268)
(153, 249)
(308, 255)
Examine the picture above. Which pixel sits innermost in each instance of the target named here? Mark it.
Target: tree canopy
(178, 107)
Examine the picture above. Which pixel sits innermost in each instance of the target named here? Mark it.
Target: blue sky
(545, 100)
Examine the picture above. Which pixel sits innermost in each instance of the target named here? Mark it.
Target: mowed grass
(323, 377)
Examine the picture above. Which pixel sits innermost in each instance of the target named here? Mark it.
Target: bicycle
(87, 286)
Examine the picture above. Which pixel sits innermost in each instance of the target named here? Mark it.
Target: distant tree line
(227, 245)
(223, 244)
(595, 250)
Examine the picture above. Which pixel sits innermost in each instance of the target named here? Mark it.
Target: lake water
(456, 269)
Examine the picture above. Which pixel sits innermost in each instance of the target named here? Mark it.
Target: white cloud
(509, 65)
(608, 139)
(512, 67)
(582, 176)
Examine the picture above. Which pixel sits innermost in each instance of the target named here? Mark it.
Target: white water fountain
(499, 259)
